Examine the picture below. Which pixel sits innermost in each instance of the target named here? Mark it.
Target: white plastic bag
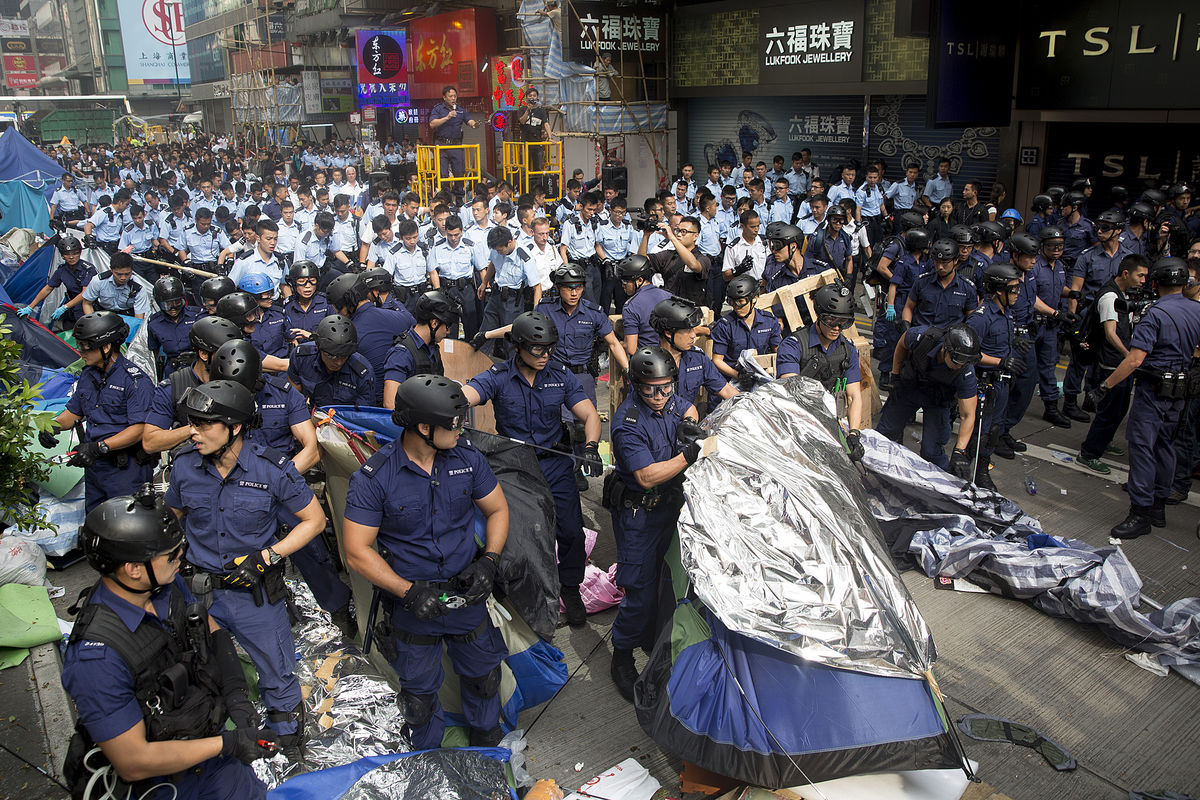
(22, 561)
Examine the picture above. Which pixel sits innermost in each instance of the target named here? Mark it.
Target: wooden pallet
(461, 362)
(786, 301)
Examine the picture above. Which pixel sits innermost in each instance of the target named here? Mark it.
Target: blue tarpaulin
(23, 207)
(31, 276)
(21, 160)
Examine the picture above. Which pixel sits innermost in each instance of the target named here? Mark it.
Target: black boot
(573, 603)
(1017, 445)
(1158, 514)
(624, 673)
(345, 621)
(885, 381)
(982, 477)
(1003, 449)
(1135, 525)
(1053, 415)
(488, 738)
(1072, 411)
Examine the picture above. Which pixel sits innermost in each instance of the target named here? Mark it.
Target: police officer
(1043, 214)
(527, 392)
(652, 446)
(456, 260)
(1078, 232)
(1109, 333)
(103, 229)
(933, 368)
(993, 324)
(168, 332)
(965, 239)
(203, 242)
(112, 396)
(743, 328)
(405, 261)
(675, 321)
(829, 246)
(785, 263)
(516, 282)
(446, 120)
(417, 351)
(904, 273)
(270, 334)
(139, 238)
(328, 370)
(68, 202)
(212, 290)
(822, 352)
(242, 309)
(417, 496)
(113, 290)
(578, 236)
(285, 425)
(939, 296)
(1139, 234)
(377, 327)
(1161, 357)
(305, 307)
(229, 493)
(73, 274)
(1173, 232)
(1050, 276)
(635, 273)
(138, 624)
(166, 423)
(614, 241)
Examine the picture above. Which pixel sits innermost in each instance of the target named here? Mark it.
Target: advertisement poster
(155, 47)
(382, 67)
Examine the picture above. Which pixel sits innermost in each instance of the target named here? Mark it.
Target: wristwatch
(273, 557)
(102, 446)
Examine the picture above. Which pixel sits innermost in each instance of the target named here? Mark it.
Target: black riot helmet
(431, 400)
(990, 231)
(633, 267)
(1050, 233)
(911, 219)
(209, 333)
(236, 307)
(1176, 189)
(944, 250)
(533, 327)
(214, 289)
(376, 280)
(962, 234)
(1080, 184)
(302, 269)
(836, 212)
(436, 304)
(168, 289)
(345, 292)
(336, 336)
(236, 361)
(651, 362)
(569, 275)
(1073, 199)
(1118, 193)
(1111, 217)
(961, 344)
(1042, 202)
(833, 300)
(783, 235)
(998, 276)
(220, 401)
(1024, 243)
(916, 239)
(674, 314)
(1056, 193)
(100, 328)
(1153, 198)
(130, 529)
(773, 229)
(1141, 212)
(69, 244)
(1170, 272)
(743, 286)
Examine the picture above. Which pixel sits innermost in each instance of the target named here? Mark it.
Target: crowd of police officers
(348, 306)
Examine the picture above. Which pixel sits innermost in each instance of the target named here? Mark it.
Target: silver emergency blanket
(352, 710)
(779, 541)
(442, 774)
(951, 530)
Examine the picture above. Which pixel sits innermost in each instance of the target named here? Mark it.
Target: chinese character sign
(155, 47)
(450, 50)
(382, 68)
(813, 42)
(611, 29)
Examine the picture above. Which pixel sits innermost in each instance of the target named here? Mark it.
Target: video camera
(641, 222)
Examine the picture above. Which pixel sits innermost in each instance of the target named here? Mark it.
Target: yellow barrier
(430, 180)
(518, 158)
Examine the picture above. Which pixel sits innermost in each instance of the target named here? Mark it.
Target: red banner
(449, 50)
(21, 80)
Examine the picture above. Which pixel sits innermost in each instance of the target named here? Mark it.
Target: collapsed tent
(43, 356)
(953, 530)
(794, 653)
(528, 578)
(27, 180)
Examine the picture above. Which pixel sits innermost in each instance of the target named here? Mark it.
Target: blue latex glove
(58, 312)
(890, 313)
(24, 311)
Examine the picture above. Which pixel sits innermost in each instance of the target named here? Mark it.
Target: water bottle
(1030, 485)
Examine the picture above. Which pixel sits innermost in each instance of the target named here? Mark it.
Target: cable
(546, 707)
(22, 759)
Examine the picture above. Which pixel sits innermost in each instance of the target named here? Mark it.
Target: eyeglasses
(306, 282)
(682, 231)
(538, 350)
(835, 322)
(651, 390)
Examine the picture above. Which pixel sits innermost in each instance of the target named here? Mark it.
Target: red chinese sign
(449, 50)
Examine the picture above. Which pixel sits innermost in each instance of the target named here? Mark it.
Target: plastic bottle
(1030, 485)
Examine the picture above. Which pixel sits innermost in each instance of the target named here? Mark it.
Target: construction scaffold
(262, 107)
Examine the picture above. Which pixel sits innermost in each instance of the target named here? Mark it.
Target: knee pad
(417, 709)
(484, 686)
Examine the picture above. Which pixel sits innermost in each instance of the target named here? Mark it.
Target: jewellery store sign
(811, 43)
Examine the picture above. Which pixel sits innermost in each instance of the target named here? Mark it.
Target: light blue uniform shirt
(408, 267)
(107, 224)
(516, 270)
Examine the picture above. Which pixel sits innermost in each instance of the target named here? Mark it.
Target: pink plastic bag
(599, 589)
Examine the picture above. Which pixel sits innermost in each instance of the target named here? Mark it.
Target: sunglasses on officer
(830, 321)
(1104, 227)
(651, 390)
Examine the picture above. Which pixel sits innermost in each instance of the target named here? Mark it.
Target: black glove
(902, 326)
(1066, 320)
(477, 580)
(47, 440)
(744, 266)
(1074, 294)
(243, 744)
(960, 465)
(89, 240)
(1022, 344)
(854, 445)
(86, 454)
(242, 711)
(1098, 394)
(1014, 365)
(245, 572)
(478, 340)
(818, 369)
(593, 465)
(689, 439)
(422, 601)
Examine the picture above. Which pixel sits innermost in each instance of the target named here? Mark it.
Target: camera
(642, 223)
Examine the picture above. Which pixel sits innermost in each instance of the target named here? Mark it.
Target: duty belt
(441, 140)
(504, 292)
(457, 283)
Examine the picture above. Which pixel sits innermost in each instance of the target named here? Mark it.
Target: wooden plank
(787, 298)
(462, 362)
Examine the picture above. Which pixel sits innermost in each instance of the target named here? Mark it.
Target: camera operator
(683, 267)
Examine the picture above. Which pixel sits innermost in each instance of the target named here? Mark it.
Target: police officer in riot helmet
(1161, 357)
(822, 352)
(138, 624)
(213, 289)
(431, 601)
(417, 351)
(328, 370)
